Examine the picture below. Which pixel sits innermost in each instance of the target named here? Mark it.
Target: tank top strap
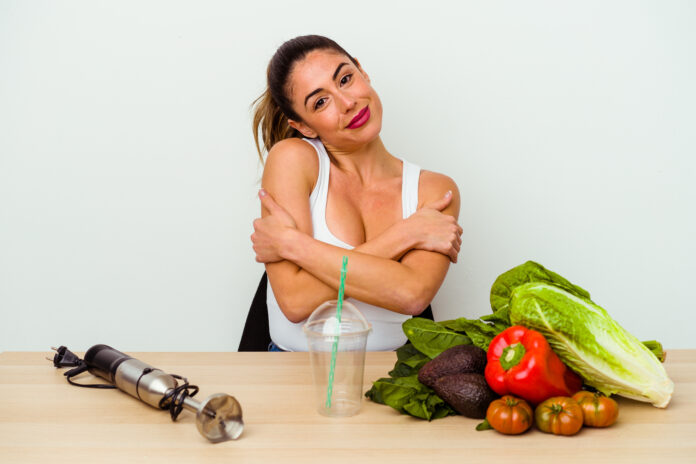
(317, 198)
(409, 188)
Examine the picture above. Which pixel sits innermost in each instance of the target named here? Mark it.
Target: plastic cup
(343, 398)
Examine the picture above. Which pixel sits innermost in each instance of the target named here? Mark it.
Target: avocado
(468, 393)
(459, 359)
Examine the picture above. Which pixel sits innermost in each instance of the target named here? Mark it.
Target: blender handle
(102, 361)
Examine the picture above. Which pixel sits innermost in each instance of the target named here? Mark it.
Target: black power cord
(66, 358)
(173, 400)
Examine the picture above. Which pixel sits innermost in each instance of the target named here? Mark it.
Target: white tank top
(387, 333)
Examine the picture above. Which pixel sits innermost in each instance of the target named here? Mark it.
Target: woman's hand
(268, 230)
(435, 231)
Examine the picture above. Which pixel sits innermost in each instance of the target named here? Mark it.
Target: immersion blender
(218, 418)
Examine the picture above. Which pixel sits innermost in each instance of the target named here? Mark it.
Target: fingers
(456, 243)
(456, 247)
(268, 202)
(442, 203)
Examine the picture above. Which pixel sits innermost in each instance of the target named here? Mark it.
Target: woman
(330, 188)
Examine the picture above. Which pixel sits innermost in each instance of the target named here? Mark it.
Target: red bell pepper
(521, 363)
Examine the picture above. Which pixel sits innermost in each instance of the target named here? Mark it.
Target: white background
(128, 175)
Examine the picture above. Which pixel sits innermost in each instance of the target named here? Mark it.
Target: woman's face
(329, 92)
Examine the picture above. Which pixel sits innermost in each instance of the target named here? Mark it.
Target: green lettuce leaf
(591, 343)
(502, 288)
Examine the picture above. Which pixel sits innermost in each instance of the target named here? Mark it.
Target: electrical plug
(64, 357)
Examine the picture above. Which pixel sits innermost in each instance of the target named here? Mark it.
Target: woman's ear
(303, 128)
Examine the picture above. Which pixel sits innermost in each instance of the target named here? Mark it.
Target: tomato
(559, 415)
(509, 415)
(598, 410)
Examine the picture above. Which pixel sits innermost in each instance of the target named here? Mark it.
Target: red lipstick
(361, 118)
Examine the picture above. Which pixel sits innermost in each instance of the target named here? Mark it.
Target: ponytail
(269, 124)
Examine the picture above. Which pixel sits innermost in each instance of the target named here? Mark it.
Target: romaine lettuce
(591, 343)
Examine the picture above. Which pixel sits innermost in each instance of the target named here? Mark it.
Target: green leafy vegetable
(572, 319)
(478, 331)
(431, 338)
(656, 348)
(402, 390)
(409, 361)
(529, 272)
(409, 396)
(591, 343)
(501, 291)
(500, 319)
(485, 425)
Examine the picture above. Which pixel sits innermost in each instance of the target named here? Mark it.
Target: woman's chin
(368, 132)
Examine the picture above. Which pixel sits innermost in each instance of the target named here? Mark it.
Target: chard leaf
(500, 319)
(479, 332)
(442, 409)
(407, 351)
(505, 284)
(408, 396)
(409, 361)
(388, 391)
(451, 324)
(431, 338)
(416, 361)
(591, 343)
(401, 370)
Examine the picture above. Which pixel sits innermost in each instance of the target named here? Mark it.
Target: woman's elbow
(292, 310)
(417, 299)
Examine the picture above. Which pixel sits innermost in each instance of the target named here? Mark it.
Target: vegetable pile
(544, 340)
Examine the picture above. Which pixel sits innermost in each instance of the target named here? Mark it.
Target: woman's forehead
(315, 68)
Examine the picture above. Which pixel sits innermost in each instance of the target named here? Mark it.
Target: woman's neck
(368, 163)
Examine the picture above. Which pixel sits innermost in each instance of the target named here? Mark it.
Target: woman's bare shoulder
(433, 185)
(293, 153)
(294, 158)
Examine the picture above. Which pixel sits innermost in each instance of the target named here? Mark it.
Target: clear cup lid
(324, 322)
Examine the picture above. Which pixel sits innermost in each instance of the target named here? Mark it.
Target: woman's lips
(360, 119)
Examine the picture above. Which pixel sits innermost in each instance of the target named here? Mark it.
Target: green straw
(334, 349)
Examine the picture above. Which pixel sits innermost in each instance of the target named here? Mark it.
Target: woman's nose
(347, 101)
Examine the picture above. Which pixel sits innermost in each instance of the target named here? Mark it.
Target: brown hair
(273, 108)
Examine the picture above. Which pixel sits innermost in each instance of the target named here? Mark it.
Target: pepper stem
(512, 355)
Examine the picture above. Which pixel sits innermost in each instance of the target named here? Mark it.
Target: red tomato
(559, 415)
(598, 410)
(509, 415)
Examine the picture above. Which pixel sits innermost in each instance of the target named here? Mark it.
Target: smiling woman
(331, 188)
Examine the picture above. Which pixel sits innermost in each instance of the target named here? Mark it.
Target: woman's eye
(344, 80)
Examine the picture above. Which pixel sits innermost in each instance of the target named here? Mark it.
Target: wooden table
(44, 419)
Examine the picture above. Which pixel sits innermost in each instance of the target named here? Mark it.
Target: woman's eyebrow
(314, 92)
